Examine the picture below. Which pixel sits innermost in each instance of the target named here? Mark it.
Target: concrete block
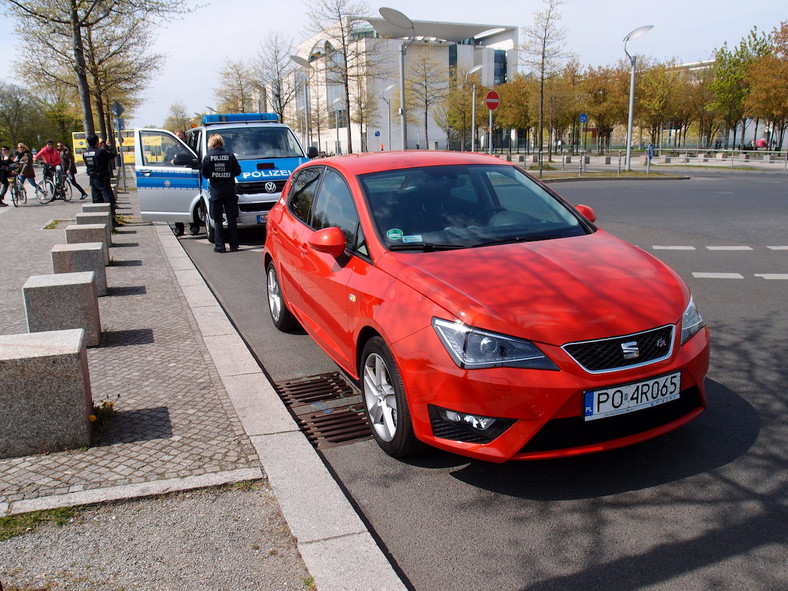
(45, 396)
(568, 159)
(81, 233)
(63, 301)
(87, 256)
(98, 217)
(96, 207)
(607, 159)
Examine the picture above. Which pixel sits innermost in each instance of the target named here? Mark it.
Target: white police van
(167, 169)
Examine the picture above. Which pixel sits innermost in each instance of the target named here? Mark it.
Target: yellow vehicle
(80, 144)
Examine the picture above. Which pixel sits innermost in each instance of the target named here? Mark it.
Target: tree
(236, 90)
(767, 78)
(178, 118)
(428, 85)
(271, 69)
(515, 110)
(76, 18)
(339, 20)
(543, 48)
(19, 114)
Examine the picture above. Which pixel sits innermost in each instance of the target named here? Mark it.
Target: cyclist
(51, 158)
(25, 163)
(5, 172)
(70, 167)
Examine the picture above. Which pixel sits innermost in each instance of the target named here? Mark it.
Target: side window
(160, 148)
(302, 192)
(335, 207)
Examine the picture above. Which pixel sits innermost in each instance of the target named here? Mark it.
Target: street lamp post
(473, 70)
(336, 103)
(633, 60)
(305, 64)
(399, 20)
(387, 90)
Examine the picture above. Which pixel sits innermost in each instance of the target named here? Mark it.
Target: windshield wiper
(514, 239)
(427, 246)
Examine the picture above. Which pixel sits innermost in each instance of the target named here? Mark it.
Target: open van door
(168, 178)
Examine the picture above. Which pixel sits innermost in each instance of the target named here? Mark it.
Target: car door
(322, 278)
(167, 174)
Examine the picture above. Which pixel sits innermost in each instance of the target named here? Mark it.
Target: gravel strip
(229, 538)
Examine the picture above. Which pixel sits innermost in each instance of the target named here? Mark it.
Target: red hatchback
(478, 311)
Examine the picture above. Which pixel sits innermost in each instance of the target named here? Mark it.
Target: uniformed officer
(98, 159)
(221, 167)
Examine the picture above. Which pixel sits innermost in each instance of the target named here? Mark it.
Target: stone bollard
(45, 396)
(96, 208)
(87, 256)
(61, 301)
(81, 233)
(98, 217)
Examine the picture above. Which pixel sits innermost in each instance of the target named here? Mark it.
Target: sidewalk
(193, 407)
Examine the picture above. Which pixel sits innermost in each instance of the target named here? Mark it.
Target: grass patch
(12, 526)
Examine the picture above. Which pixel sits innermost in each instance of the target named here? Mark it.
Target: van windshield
(256, 143)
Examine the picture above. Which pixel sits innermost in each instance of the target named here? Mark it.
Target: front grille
(253, 207)
(608, 354)
(256, 188)
(575, 432)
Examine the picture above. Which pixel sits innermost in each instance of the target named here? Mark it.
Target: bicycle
(18, 191)
(53, 186)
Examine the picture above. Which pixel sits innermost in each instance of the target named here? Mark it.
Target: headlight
(471, 348)
(691, 321)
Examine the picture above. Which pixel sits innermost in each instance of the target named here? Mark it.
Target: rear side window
(302, 192)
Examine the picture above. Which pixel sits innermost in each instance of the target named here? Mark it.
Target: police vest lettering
(266, 174)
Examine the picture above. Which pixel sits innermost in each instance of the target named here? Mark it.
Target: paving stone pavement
(174, 419)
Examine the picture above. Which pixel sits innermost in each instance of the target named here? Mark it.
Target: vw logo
(270, 187)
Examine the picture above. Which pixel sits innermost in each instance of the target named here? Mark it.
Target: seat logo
(270, 187)
(630, 350)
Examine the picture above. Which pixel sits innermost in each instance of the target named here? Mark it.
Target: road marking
(778, 276)
(777, 247)
(729, 247)
(673, 247)
(717, 276)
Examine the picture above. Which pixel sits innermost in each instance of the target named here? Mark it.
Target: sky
(196, 45)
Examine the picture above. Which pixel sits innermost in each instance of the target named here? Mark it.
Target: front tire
(68, 192)
(385, 402)
(281, 316)
(45, 192)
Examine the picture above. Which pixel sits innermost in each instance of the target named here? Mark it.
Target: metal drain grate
(327, 408)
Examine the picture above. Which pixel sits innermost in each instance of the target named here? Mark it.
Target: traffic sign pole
(493, 100)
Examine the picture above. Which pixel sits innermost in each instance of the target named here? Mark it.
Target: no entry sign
(492, 100)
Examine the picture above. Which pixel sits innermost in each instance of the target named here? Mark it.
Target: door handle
(145, 172)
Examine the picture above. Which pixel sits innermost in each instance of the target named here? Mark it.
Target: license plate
(260, 219)
(618, 400)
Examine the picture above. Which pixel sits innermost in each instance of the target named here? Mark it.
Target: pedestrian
(98, 158)
(5, 172)
(221, 167)
(70, 168)
(24, 160)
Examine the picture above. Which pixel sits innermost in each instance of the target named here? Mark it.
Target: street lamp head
(301, 61)
(474, 69)
(639, 32)
(388, 89)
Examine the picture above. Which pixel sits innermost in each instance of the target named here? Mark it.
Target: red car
(478, 311)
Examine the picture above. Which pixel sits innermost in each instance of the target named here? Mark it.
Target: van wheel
(209, 229)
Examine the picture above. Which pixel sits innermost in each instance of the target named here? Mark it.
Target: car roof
(356, 164)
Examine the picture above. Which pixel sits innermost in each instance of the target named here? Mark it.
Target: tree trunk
(80, 69)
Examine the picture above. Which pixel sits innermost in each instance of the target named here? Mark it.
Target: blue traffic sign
(583, 117)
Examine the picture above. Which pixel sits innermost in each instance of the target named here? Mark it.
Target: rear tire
(281, 316)
(45, 192)
(385, 402)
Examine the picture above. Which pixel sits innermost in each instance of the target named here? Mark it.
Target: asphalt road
(702, 507)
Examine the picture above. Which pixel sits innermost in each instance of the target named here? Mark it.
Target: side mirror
(185, 159)
(311, 152)
(329, 240)
(586, 212)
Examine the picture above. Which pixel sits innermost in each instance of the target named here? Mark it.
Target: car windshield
(258, 142)
(464, 206)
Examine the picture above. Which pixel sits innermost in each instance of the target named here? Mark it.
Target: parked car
(478, 311)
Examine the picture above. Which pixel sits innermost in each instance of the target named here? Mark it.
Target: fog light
(479, 423)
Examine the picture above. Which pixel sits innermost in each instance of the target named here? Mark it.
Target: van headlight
(691, 321)
(472, 348)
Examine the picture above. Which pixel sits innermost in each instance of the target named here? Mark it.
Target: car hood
(552, 291)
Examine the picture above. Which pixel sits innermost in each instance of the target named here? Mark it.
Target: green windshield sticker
(394, 234)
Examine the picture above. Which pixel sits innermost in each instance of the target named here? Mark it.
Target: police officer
(221, 167)
(98, 159)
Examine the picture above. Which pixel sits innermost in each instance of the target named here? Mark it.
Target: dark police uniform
(221, 167)
(97, 162)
